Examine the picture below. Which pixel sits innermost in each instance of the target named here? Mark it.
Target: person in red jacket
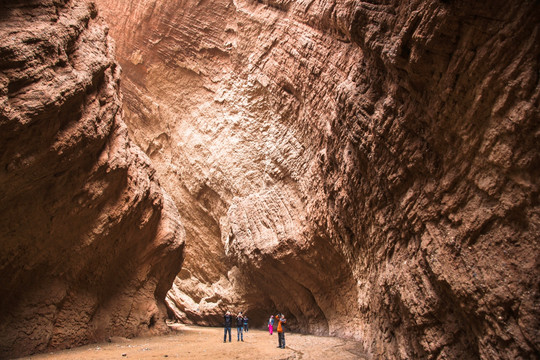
(281, 330)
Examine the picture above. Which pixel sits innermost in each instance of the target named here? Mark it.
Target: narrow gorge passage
(368, 168)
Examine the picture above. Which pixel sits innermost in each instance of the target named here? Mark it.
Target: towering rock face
(368, 168)
(90, 243)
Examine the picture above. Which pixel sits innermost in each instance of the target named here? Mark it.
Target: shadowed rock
(90, 243)
(368, 168)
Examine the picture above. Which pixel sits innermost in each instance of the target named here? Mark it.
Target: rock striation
(90, 243)
(367, 167)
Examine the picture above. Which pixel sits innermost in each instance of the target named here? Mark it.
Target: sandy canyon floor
(193, 342)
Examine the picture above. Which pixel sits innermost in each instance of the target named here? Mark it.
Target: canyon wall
(90, 243)
(369, 168)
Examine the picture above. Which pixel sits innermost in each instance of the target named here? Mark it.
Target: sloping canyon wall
(90, 243)
(369, 168)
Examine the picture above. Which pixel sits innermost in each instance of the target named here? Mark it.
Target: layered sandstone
(368, 168)
(90, 243)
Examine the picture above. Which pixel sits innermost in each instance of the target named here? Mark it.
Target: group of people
(242, 325)
(280, 328)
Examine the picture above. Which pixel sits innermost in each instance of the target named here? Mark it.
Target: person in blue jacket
(246, 327)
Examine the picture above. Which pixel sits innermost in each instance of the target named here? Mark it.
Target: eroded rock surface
(369, 168)
(90, 243)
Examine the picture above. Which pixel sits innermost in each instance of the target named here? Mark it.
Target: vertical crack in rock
(90, 241)
(370, 168)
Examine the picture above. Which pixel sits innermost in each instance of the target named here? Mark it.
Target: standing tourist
(246, 328)
(281, 330)
(271, 324)
(227, 323)
(240, 326)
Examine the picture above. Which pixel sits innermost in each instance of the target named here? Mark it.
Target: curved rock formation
(90, 243)
(368, 168)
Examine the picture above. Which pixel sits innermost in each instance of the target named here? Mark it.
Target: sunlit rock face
(89, 241)
(368, 168)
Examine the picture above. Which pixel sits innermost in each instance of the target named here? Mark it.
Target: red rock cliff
(89, 241)
(371, 168)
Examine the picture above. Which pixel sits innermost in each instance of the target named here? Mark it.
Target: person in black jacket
(240, 326)
(227, 323)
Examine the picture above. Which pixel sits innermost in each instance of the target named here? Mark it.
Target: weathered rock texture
(371, 168)
(90, 244)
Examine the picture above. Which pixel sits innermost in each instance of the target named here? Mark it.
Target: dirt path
(193, 342)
